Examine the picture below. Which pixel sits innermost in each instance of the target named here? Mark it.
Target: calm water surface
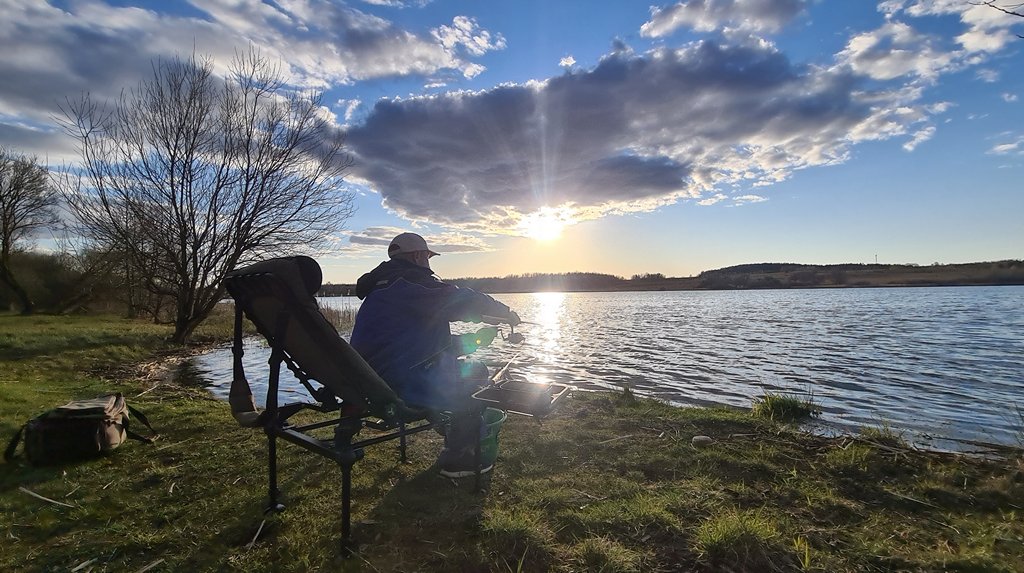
(940, 363)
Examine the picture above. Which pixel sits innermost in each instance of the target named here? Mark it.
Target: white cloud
(567, 62)
(920, 136)
(895, 50)
(939, 107)
(747, 199)
(711, 15)
(1009, 98)
(465, 32)
(988, 29)
(891, 6)
(716, 198)
(1015, 147)
(398, 3)
(1005, 148)
(987, 76)
(350, 106)
(981, 40)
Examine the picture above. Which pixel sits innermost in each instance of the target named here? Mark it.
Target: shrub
(784, 408)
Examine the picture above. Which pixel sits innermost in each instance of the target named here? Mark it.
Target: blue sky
(618, 137)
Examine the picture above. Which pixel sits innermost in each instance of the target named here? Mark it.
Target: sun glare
(546, 224)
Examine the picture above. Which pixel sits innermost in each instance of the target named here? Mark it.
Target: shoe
(456, 464)
(461, 472)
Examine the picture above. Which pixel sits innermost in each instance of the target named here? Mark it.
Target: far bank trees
(27, 204)
(189, 175)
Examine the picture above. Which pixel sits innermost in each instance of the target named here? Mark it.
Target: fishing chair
(277, 297)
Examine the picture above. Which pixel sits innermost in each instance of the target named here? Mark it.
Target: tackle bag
(78, 430)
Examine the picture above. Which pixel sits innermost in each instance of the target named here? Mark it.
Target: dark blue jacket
(402, 329)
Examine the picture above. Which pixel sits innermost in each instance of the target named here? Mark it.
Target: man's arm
(453, 303)
(443, 301)
(472, 306)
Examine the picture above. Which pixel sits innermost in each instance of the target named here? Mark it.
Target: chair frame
(344, 449)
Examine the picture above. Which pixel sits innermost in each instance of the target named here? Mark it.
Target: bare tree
(27, 204)
(191, 175)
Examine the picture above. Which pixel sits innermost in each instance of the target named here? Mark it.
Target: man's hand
(513, 318)
(468, 343)
(485, 336)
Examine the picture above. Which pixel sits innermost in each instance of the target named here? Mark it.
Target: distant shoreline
(759, 276)
(822, 287)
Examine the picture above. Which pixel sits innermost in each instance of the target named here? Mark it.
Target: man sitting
(402, 330)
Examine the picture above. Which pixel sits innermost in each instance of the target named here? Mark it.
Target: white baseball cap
(408, 243)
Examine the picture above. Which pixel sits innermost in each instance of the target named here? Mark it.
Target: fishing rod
(478, 339)
(504, 369)
(499, 320)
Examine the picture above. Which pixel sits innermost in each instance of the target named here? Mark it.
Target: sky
(617, 137)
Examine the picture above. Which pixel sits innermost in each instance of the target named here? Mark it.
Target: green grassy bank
(609, 483)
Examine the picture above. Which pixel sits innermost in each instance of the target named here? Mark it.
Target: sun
(546, 224)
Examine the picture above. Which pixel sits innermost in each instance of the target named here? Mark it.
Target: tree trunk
(27, 307)
(183, 328)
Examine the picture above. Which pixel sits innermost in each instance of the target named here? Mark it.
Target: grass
(883, 434)
(604, 484)
(341, 318)
(742, 540)
(784, 407)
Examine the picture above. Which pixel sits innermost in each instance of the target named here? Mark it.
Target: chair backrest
(278, 297)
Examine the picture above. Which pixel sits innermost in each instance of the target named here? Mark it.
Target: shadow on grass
(426, 522)
(19, 473)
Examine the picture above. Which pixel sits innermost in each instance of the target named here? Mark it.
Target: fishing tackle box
(522, 397)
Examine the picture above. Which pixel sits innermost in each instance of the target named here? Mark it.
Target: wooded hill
(750, 276)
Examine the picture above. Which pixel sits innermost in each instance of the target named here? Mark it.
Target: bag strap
(142, 418)
(243, 406)
(13, 445)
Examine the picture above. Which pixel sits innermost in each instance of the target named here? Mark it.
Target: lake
(943, 364)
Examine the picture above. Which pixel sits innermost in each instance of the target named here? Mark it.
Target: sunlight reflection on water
(942, 362)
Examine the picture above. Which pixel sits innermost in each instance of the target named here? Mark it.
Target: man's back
(402, 328)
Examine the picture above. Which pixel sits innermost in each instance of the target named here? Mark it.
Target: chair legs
(347, 456)
(273, 503)
(344, 450)
(477, 452)
(402, 442)
(347, 545)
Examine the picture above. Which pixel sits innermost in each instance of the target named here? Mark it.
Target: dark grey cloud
(53, 53)
(374, 240)
(633, 133)
(50, 147)
(363, 238)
